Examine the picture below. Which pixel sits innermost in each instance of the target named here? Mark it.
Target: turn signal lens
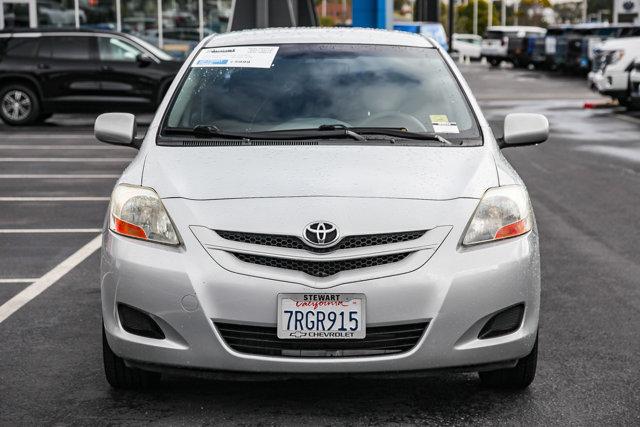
(503, 212)
(138, 212)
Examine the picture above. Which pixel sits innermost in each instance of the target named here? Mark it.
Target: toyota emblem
(321, 234)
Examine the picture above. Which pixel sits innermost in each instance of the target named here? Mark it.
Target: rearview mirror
(524, 129)
(116, 128)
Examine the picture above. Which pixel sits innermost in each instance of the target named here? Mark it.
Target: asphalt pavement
(55, 181)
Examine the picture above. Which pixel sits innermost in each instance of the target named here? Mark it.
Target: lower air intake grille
(263, 340)
(320, 268)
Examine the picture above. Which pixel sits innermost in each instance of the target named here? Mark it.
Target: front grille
(263, 340)
(320, 268)
(294, 242)
(277, 240)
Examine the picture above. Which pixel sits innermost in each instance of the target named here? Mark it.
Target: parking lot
(55, 182)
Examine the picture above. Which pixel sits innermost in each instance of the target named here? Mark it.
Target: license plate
(321, 316)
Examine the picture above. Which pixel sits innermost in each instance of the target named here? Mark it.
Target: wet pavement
(585, 188)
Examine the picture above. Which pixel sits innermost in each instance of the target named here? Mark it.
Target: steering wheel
(392, 119)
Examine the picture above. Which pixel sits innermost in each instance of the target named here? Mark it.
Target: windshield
(305, 86)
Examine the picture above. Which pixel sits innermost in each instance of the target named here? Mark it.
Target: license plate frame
(327, 303)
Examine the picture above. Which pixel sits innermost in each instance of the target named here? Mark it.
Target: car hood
(207, 173)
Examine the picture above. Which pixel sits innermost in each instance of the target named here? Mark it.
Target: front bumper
(456, 290)
(610, 83)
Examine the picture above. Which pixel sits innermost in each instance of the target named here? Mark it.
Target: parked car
(611, 72)
(584, 40)
(320, 201)
(45, 72)
(509, 43)
(539, 52)
(469, 45)
(574, 47)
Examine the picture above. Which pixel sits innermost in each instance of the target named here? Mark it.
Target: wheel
(517, 378)
(120, 375)
(495, 62)
(19, 105)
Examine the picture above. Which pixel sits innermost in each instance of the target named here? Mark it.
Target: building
(163, 22)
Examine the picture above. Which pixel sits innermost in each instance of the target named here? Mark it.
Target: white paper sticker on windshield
(236, 57)
(441, 124)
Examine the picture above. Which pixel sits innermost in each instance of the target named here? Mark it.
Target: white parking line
(49, 136)
(48, 230)
(59, 176)
(40, 285)
(66, 159)
(62, 147)
(54, 199)
(21, 280)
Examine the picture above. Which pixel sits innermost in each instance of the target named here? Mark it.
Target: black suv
(48, 72)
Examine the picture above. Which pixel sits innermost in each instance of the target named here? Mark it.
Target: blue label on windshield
(212, 61)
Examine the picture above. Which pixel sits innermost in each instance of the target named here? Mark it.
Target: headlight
(138, 212)
(503, 212)
(615, 56)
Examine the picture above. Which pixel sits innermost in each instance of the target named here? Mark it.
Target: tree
(531, 12)
(464, 18)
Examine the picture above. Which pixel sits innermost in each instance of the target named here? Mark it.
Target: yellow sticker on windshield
(439, 118)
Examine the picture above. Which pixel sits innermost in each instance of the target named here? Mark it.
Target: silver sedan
(320, 202)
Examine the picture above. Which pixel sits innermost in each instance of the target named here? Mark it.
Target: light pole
(475, 16)
(450, 23)
(490, 13)
(503, 12)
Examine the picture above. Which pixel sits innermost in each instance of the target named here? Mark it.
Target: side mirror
(143, 60)
(117, 129)
(524, 129)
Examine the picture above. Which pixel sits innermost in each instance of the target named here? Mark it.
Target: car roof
(319, 35)
(34, 32)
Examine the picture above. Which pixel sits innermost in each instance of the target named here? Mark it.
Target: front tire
(517, 378)
(120, 375)
(19, 105)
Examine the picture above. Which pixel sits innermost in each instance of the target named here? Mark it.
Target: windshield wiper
(401, 133)
(202, 130)
(211, 130)
(388, 131)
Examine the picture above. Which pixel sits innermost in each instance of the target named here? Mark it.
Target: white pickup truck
(615, 59)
